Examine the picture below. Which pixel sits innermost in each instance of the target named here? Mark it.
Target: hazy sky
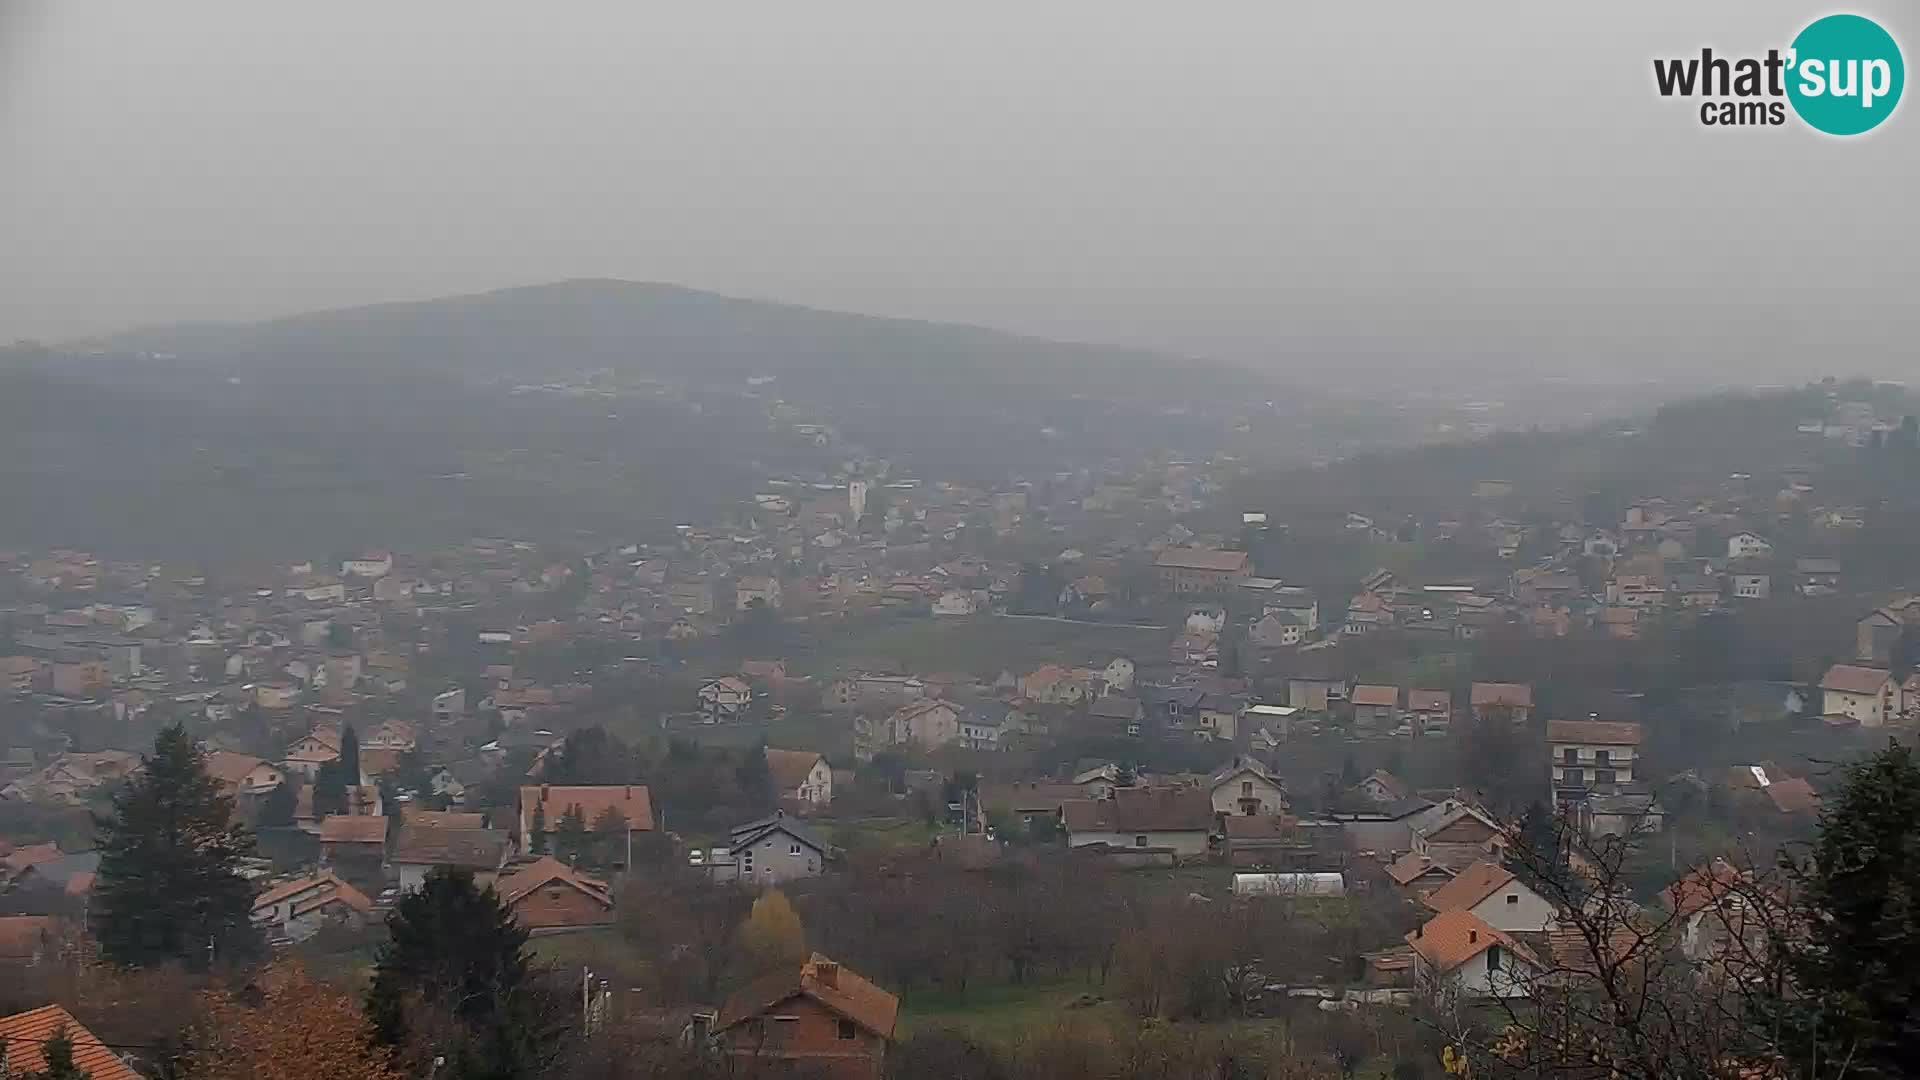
(1283, 183)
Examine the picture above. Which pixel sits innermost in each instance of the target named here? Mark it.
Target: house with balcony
(1591, 756)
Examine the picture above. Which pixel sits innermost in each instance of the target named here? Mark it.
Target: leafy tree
(292, 1028)
(277, 810)
(58, 1052)
(349, 755)
(1858, 971)
(339, 635)
(772, 938)
(168, 886)
(455, 980)
(539, 828)
(570, 839)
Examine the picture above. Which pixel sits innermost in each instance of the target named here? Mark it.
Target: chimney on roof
(629, 792)
(1473, 937)
(1420, 931)
(826, 973)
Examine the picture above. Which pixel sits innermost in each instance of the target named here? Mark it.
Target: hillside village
(1136, 674)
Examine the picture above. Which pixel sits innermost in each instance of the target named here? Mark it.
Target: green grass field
(1002, 1011)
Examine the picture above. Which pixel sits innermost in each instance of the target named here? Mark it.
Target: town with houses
(1131, 674)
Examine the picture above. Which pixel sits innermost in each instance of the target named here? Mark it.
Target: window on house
(1573, 777)
(1603, 758)
(1140, 841)
(1493, 958)
(847, 1030)
(1570, 755)
(1513, 898)
(1246, 787)
(793, 849)
(1603, 776)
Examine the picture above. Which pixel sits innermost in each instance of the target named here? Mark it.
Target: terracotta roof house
(1457, 953)
(1175, 819)
(1187, 570)
(547, 895)
(551, 802)
(800, 776)
(23, 1034)
(1506, 701)
(1376, 707)
(28, 940)
(1499, 898)
(355, 836)
(443, 819)
(1863, 695)
(821, 1018)
(298, 909)
(418, 849)
(243, 773)
(1419, 873)
(1794, 796)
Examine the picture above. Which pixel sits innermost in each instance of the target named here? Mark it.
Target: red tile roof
(1375, 695)
(1599, 732)
(1202, 559)
(1794, 796)
(1474, 884)
(790, 768)
(824, 981)
(23, 1034)
(592, 799)
(1452, 938)
(356, 829)
(1142, 810)
(1501, 693)
(1408, 868)
(547, 869)
(1851, 679)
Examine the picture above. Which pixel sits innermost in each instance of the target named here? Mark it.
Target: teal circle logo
(1846, 75)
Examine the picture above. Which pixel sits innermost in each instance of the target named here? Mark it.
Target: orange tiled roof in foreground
(23, 1034)
(1452, 938)
(825, 982)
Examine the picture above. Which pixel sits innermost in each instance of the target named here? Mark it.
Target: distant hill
(642, 328)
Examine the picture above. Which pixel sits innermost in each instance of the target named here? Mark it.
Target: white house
(1246, 787)
(1592, 754)
(1456, 955)
(766, 590)
(1167, 819)
(956, 602)
(725, 698)
(374, 564)
(801, 776)
(1865, 695)
(1752, 586)
(926, 723)
(1748, 545)
(1118, 675)
(1499, 899)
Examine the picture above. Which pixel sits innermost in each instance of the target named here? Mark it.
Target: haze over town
(854, 542)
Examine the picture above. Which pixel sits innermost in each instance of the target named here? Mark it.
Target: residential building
(306, 754)
(1430, 711)
(1245, 788)
(19, 674)
(800, 776)
(24, 1035)
(1051, 684)
(750, 590)
(692, 597)
(80, 676)
(243, 774)
(724, 698)
(1591, 755)
(1746, 545)
(1867, 696)
(300, 908)
(1116, 714)
(548, 803)
(1457, 956)
(1376, 708)
(819, 1019)
(1201, 570)
(28, 941)
(1178, 820)
(1876, 632)
(1419, 874)
(1752, 586)
(768, 851)
(1117, 676)
(420, 847)
(547, 896)
(1500, 899)
(927, 723)
(376, 564)
(1512, 702)
(1278, 630)
(1817, 576)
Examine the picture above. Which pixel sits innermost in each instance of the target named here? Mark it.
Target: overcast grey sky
(1281, 183)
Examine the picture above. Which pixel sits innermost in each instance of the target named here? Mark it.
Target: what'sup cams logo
(1842, 75)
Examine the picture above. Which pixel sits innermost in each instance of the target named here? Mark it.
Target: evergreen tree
(330, 789)
(755, 779)
(539, 828)
(570, 836)
(277, 810)
(168, 887)
(455, 957)
(1858, 971)
(349, 755)
(58, 1052)
(610, 836)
